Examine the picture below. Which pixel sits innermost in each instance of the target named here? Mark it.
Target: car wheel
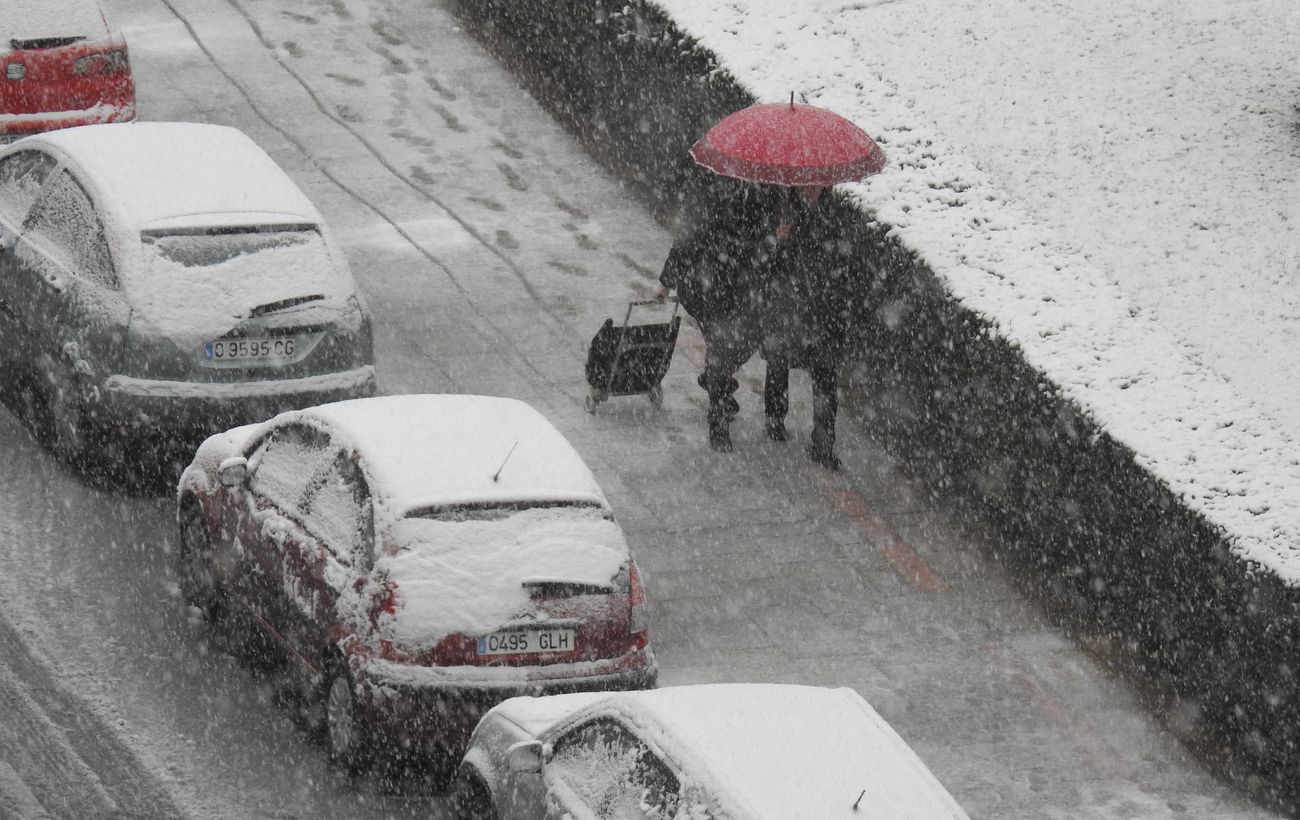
(470, 799)
(345, 732)
(198, 573)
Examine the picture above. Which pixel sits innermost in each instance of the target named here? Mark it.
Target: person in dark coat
(716, 265)
(804, 315)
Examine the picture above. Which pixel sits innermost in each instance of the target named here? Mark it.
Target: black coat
(807, 292)
(721, 249)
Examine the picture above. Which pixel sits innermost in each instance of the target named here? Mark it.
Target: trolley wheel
(656, 396)
(589, 402)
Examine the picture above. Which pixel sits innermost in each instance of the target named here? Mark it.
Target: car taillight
(389, 651)
(636, 598)
(456, 650)
(101, 62)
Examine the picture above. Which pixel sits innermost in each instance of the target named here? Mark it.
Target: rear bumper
(442, 713)
(124, 404)
(17, 125)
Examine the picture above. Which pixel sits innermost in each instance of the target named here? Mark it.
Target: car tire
(346, 735)
(198, 576)
(470, 798)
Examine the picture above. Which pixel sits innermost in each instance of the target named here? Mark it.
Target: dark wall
(1112, 552)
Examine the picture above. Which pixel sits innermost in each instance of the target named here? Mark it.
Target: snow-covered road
(491, 248)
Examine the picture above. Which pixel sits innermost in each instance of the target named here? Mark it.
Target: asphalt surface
(490, 249)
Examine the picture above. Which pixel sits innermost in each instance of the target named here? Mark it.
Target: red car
(63, 64)
(417, 559)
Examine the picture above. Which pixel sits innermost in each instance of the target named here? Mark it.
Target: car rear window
(220, 246)
(48, 23)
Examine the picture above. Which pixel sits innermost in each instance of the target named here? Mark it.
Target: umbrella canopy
(788, 144)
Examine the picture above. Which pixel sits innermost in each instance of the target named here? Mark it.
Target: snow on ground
(1114, 185)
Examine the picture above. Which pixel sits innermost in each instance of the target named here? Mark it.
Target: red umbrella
(788, 144)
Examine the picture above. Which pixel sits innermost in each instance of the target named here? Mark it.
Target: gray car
(733, 751)
(162, 281)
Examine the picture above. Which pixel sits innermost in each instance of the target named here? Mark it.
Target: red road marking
(1047, 702)
(910, 566)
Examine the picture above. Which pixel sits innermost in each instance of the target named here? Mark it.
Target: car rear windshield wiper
(491, 510)
(284, 304)
(564, 589)
(43, 42)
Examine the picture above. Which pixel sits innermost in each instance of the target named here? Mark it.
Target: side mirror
(527, 756)
(233, 472)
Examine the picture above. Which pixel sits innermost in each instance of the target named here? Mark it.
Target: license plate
(527, 641)
(255, 350)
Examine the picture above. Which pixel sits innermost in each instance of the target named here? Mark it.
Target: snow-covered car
(417, 559)
(164, 281)
(64, 64)
(742, 751)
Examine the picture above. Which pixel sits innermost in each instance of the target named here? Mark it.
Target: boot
(822, 448)
(824, 456)
(776, 396)
(719, 435)
(776, 429)
(825, 404)
(720, 413)
(729, 403)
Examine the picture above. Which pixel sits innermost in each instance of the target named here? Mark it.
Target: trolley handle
(646, 303)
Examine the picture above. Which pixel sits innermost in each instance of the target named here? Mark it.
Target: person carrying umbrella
(780, 248)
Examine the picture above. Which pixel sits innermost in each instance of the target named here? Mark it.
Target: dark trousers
(824, 371)
(731, 341)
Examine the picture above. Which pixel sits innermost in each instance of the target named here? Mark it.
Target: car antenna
(859, 800)
(497, 474)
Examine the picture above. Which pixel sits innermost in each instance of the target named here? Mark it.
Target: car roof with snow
(165, 175)
(771, 750)
(434, 451)
(40, 19)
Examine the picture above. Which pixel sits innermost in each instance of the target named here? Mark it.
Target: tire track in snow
(73, 763)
